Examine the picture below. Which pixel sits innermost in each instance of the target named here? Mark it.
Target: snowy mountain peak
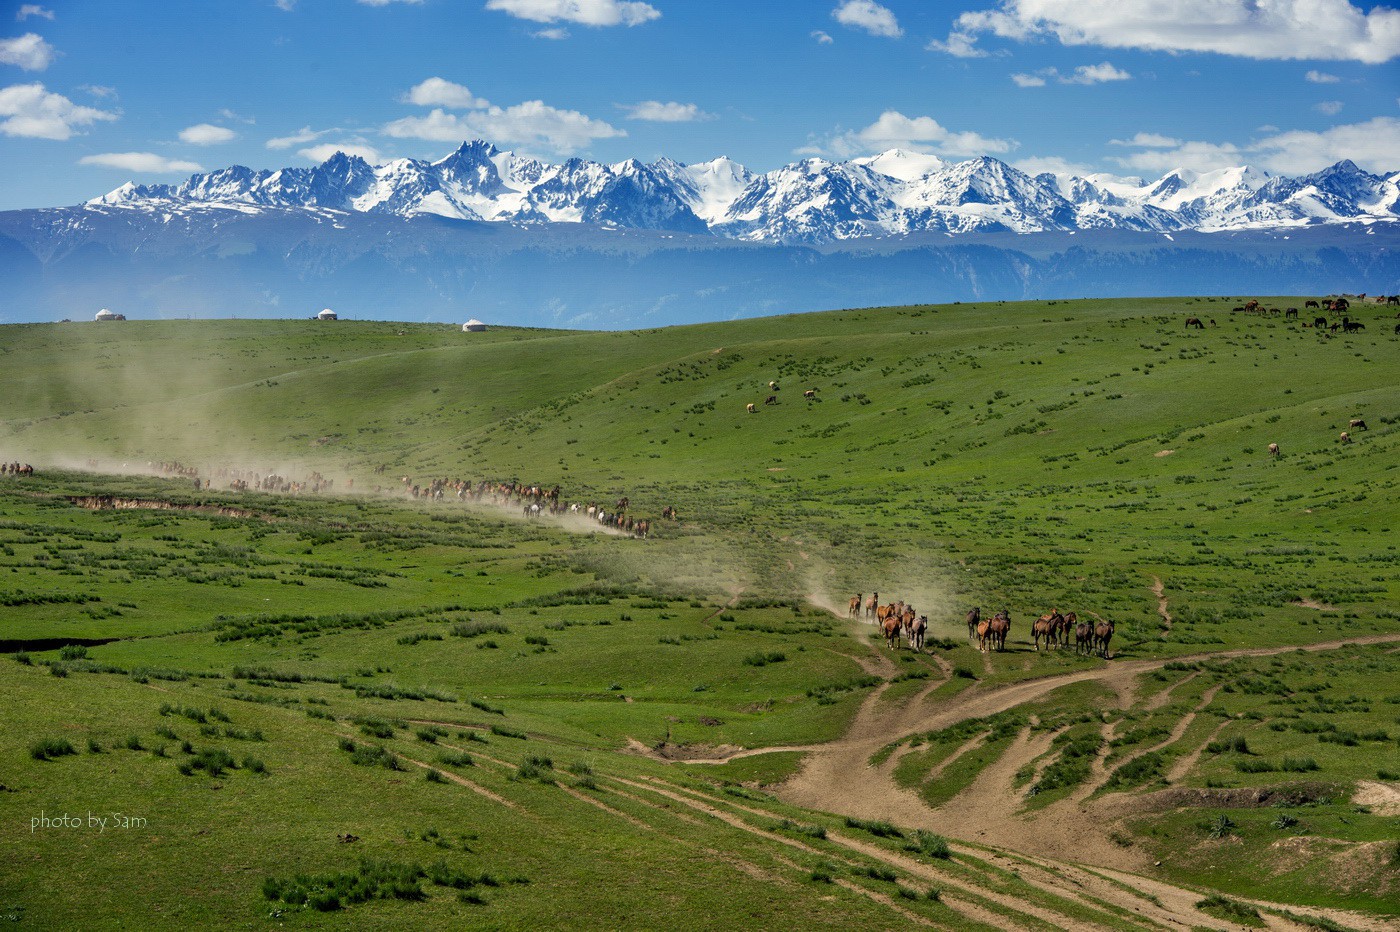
(814, 200)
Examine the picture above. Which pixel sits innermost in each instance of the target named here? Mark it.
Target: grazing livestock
(1047, 627)
(1103, 633)
(809, 394)
(891, 626)
(1084, 638)
(1357, 424)
(771, 400)
(853, 611)
(1067, 624)
(1393, 299)
(1195, 322)
(1311, 304)
(1273, 449)
(1344, 438)
(973, 617)
(772, 386)
(1291, 313)
(1000, 628)
(750, 407)
(984, 634)
(917, 628)
(1319, 321)
(1351, 326)
(1251, 306)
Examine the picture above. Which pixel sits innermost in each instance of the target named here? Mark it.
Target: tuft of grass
(929, 845)
(49, 748)
(505, 732)
(878, 829)
(1232, 910)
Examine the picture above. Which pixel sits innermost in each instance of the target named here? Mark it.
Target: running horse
(973, 617)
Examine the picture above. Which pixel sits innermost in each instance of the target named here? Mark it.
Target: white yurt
(473, 326)
(105, 314)
(327, 314)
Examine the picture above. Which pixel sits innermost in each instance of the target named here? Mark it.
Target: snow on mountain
(812, 201)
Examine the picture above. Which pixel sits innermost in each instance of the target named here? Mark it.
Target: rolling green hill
(432, 677)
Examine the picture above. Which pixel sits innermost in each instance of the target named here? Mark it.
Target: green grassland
(485, 704)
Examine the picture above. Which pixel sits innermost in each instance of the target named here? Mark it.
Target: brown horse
(873, 605)
(1195, 322)
(984, 634)
(1103, 633)
(853, 610)
(917, 628)
(1000, 628)
(1046, 626)
(1067, 624)
(1084, 638)
(891, 627)
(973, 617)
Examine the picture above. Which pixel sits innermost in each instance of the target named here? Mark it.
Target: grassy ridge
(1005, 455)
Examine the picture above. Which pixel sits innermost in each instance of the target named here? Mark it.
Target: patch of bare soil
(1383, 798)
(1164, 453)
(113, 503)
(1314, 604)
(1160, 592)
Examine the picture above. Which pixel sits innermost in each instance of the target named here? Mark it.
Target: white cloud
(583, 12)
(1321, 77)
(228, 114)
(27, 10)
(1329, 107)
(28, 51)
(1034, 165)
(1147, 140)
(822, 37)
(438, 92)
(868, 15)
(894, 130)
(145, 162)
(99, 90)
(530, 123)
(303, 135)
(1371, 144)
(1276, 29)
(1084, 74)
(286, 6)
(958, 44)
(556, 33)
(206, 134)
(671, 112)
(1095, 74)
(29, 110)
(350, 147)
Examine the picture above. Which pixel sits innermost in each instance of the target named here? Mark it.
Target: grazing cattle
(1000, 628)
(1344, 438)
(750, 407)
(1357, 424)
(1311, 304)
(872, 605)
(1291, 313)
(1195, 322)
(1273, 449)
(771, 400)
(810, 393)
(973, 617)
(853, 611)
(1103, 633)
(1084, 638)
(891, 626)
(917, 628)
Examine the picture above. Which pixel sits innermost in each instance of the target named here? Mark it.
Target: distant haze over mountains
(490, 234)
(813, 201)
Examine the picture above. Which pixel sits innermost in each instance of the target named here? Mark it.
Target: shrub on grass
(964, 673)
(1254, 765)
(1282, 821)
(875, 872)
(434, 776)
(505, 732)
(73, 652)
(253, 765)
(929, 845)
(24, 659)
(478, 704)
(456, 759)
(1237, 745)
(133, 743)
(1298, 765)
(878, 829)
(375, 727)
(1221, 826)
(763, 658)
(471, 629)
(1230, 909)
(49, 748)
(820, 876)
(213, 761)
(426, 734)
(94, 747)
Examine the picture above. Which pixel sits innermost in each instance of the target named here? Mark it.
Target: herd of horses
(897, 619)
(1335, 305)
(16, 469)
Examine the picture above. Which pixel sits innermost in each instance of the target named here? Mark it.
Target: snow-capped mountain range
(811, 201)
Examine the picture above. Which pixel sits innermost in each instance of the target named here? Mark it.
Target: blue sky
(93, 94)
